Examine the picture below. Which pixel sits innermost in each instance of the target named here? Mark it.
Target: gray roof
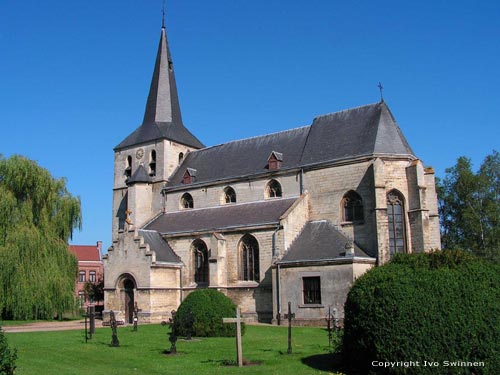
(363, 131)
(140, 175)
(367, 130)
(164, 252)
(222, 217)
(319, 240)
(244, 157)
(162, 117)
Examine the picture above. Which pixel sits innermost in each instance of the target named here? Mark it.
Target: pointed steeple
(162, 117)
(163, 100)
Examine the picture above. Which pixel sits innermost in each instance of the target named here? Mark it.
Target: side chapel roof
(319, 240)
(221, 217)
(164, 253)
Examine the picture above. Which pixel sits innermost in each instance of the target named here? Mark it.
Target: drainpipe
(278, 292)
(181, 286)
(278, 286)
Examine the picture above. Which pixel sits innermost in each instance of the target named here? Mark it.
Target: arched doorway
(128, 288)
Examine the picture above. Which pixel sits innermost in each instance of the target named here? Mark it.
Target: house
(90, 269)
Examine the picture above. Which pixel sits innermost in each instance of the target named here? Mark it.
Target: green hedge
(437, 307)
(205, 308)
(7, 356)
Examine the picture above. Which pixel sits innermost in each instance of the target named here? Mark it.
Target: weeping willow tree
(37, 218)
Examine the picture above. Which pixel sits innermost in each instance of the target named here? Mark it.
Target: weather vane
(381, 88)
(163, 15)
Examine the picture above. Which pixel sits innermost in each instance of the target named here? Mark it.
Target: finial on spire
(381, 88)
(163, 15)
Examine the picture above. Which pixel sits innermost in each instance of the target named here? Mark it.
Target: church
(293, 216)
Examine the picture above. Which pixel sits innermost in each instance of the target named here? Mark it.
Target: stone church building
(294, 216)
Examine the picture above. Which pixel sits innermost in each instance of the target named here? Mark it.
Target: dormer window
(229, 195)
(273, 189)
(128, 169)
(152, 164)
(274, 161)
(189, 176)
(187, 201)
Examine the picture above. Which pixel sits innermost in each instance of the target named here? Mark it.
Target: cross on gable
(238, 320)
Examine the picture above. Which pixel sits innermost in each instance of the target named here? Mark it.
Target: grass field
(141, 353)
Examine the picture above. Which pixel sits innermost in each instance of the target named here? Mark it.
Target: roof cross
(381, 88)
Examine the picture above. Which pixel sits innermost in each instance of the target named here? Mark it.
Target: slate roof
(319, 240)
(162, 117)
(244, 157)
(140, 175)
(363, 131)
(86, 253)
(164, 252)
(221, 217)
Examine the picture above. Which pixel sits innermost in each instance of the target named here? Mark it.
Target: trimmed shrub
(7, 356)
(442, 307)
(201, 315)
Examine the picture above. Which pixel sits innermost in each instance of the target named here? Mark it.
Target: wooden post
(238, 321)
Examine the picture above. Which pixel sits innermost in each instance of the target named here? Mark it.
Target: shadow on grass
(323, 362)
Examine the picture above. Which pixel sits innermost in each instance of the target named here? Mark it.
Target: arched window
(229, 195)
(152, 164)
(396, 217)
(128, 168)
(352, 207)
(181, 157)
(273, 189)
(249, 258)
(200, 261)
(187, 201)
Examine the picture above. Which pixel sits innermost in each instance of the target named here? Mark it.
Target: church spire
(162, 117)
(163, 100)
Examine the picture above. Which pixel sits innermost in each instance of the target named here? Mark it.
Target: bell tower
(146, 158)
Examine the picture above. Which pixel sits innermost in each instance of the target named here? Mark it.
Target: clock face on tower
(139, 154)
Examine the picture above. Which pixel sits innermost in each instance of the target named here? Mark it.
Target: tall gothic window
(273, 189)
(352, 206)
(249, 258)
(396, 216)
(187, 201)
(229, 195)
(200, 261)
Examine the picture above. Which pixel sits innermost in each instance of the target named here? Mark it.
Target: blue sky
(74, 76)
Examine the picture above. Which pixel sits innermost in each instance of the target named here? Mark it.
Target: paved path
(46, 326)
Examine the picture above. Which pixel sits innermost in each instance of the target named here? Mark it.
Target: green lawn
(140, 353)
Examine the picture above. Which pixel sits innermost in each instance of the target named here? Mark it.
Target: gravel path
(46, 326)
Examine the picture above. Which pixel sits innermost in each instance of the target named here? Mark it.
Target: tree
(439, 306)
(469, 207)
(95, 290)
(8, 356)
(37, 218)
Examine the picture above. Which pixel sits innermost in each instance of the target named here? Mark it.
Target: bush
(7, 356)
(437, 307)
(206, 308)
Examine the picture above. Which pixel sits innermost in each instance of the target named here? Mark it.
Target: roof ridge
(345, 110)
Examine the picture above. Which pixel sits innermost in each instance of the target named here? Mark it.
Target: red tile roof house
(89, 269)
